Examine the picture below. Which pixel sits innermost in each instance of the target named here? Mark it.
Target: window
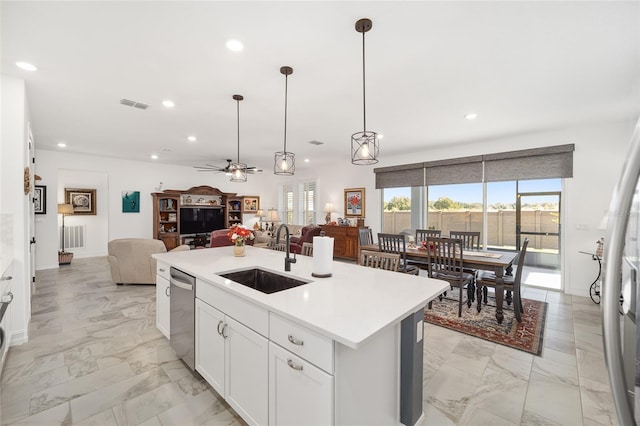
(455, 207)
(297, 203)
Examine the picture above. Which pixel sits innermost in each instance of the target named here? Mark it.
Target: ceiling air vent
(134, 104)
(316, 142)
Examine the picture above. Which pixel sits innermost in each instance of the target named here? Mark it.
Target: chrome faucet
(287, 260)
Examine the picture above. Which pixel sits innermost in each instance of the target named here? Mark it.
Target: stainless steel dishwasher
(182, 318)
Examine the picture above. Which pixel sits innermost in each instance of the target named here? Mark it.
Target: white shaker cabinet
(163, 306)
(299, 392)
(234, 360)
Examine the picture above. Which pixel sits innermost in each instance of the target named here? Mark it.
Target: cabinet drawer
(163, 270)
(252, 316)
(303, 342)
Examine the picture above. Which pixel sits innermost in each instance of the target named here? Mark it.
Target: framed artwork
(82, 200)
(251, 204)
(40, 199)
(354, 202)
(130, 201)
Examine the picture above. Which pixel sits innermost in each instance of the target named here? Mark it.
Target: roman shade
(538, 163)
(400, 176)
(455, 170)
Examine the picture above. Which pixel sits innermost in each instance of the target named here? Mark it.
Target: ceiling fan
(224, 169)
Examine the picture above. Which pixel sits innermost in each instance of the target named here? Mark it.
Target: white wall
(111, 176)
(13, 201)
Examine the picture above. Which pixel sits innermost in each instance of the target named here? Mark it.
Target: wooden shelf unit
(167, 204)
(346, 240)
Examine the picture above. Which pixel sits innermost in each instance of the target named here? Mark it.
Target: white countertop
(352, 305)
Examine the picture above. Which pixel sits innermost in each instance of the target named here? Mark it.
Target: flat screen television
(200, 220)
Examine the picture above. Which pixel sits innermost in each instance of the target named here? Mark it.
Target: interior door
(538, 218)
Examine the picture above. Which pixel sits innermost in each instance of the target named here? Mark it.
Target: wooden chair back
(445, 258)
(307, 249)
(279, 246)
(470, 239)
(366, 236)
(396, 243)
(422, 234)
(375, 259)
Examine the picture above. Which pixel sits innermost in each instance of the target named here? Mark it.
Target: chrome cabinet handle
(219, 324)
(167, 291)
(162, 269)
(7, 298)
(291, 364)
(295, 341)
(9, 278)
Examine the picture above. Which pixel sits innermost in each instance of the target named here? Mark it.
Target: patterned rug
(526, 336)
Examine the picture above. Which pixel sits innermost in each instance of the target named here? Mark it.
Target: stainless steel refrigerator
(619, 288)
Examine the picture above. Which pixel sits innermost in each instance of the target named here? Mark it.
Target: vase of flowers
(239, 235)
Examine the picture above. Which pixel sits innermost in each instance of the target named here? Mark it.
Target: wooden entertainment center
(225, 208)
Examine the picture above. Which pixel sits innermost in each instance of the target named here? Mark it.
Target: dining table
(498, 262)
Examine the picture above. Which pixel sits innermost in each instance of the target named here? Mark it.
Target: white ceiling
(522, 66)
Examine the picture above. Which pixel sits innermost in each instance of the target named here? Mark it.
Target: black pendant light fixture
(364, 145)
(238, 170)
(285, 162)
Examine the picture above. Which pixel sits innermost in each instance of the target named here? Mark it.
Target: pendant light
(285, 162)
(238, 170)
(364, 145)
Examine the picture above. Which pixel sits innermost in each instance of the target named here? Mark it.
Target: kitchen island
(331, 351)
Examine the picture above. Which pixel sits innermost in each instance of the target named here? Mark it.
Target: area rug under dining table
(526, 336)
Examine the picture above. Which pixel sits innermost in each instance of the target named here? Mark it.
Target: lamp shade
(272, 215)
(260, 213)
(328, 208)
(65, 209)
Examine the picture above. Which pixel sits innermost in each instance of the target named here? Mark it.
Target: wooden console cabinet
(346, 242)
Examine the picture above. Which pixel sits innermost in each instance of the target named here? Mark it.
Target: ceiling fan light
(284, 163)
(238, 172)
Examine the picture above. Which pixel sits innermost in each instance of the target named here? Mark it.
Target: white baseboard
(18, 338)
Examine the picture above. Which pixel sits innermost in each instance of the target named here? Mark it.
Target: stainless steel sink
(263, 280)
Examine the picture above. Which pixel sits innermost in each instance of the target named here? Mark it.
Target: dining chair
(445, 261)
(366, 236)
(376, 259)
(422, 234)
(307, 249)
(395, 243)
(511, 283)
(470, 239)
(278, 246)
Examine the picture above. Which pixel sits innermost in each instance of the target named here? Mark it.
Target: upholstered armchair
(131, 262)
(219, 238)
(306, 236)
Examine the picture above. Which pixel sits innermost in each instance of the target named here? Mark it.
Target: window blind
(455, 170)
(538, 163)
(285, 203)
(307, 202)
(400, 176)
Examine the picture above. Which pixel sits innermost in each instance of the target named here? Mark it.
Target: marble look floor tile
(149, 404)
(533, 419)
(433, 416)
(559, 402)
(477, 347)
(152, 360)
(557, 366)
(58, 415)
(588, 341)
(512, 361)
(104, 418)
(71, 389)
(557, 297)
(559, 323)
(117, 393)
(205, 408)
(153, 421)
(560, 341)
(474, 416)
(500, 394)
(597, 402)
(591, 365)
(450, 390)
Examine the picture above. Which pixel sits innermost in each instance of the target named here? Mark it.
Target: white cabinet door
(162, 305)
(299, 392)
(210, 345)
(247, 372)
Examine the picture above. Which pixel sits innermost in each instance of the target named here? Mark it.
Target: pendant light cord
(238, 121)
(364, 93)
(286, 85)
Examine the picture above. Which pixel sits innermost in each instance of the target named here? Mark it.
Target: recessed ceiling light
(26, 66)
(471, 116)
(192, 138)
(380, 136)
(306, 160)
(234, 45)
(62, 144)
(154, 157)
(168, 104)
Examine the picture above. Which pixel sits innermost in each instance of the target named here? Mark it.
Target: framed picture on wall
(130, 201)
(40, 199)
(354, 202)
(250, 204)
(82, 200)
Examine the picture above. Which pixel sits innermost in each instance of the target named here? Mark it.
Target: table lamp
(328, 209)
(260, 214)
(64, 258)
(272, 216)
